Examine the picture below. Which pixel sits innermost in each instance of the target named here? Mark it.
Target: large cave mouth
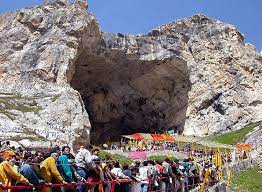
(124, 94)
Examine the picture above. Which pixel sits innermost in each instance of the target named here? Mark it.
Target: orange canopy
(137, 136)
(169, 138)
(157, 137)
(245, 147)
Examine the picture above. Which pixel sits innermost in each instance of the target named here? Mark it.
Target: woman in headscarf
(8, 174)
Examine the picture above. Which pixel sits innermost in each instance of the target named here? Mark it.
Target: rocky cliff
(59, 72)
(255, 139)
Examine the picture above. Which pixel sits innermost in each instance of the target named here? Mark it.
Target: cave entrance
(124, 94)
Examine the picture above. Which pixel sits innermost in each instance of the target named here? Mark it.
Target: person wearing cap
(7, 172)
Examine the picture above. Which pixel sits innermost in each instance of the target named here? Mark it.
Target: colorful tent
(157, 137)
(242, 146)
(137, 136)
(186, 139)
(169, 138)
(150, 137)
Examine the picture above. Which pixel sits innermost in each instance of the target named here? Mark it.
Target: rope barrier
(102, 161)
(114, 182)
(73, 184)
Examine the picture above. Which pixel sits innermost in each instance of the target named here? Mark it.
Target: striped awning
(137, 136)
(157, 137)
(169, 138)
(150, 137)
(243, 146)
(147, 136)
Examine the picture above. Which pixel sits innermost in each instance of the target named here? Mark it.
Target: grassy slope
(162, 158)
(125, 160)
(235, 136)
(248, 181)
(120, 158)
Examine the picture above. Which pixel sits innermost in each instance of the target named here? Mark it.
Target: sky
(140, 16)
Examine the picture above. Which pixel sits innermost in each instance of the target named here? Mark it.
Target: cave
(124, 94)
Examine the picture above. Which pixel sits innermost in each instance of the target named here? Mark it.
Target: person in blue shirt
(65, 168)
(28, 172)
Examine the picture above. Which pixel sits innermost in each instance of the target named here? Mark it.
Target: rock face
(255, 139)
(39, 47)
(131, 89)
(195, 75)
(225, 75)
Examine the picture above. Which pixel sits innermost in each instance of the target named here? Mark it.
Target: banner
(137, 155)
(171, 132)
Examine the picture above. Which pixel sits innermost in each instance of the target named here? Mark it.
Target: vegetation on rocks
(19, 103)
(234, 137)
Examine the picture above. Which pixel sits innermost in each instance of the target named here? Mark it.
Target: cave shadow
(125, 95)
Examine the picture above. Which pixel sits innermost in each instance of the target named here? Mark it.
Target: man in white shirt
(143, 175)
(118, 172)
(83, 161)
(167, 173)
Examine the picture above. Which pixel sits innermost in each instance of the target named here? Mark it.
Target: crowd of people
(40, 169)
(144, 146)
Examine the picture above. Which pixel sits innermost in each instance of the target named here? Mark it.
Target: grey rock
(255, 139)
(39, 47)
(194, 75)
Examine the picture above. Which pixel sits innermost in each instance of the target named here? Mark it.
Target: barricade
(21, 187)
(174, 187)
(193, 184)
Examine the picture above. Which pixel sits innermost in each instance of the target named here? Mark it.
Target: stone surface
(129, 88)
(59, 72)
(255, 139)
(225, 75)
(39, 47)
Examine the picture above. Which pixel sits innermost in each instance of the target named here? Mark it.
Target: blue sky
(140, 16)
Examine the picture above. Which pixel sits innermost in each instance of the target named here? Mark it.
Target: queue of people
(60, 166)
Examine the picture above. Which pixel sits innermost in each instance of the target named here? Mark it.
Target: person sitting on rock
(7, 172)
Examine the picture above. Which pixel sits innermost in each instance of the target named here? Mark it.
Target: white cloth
(135, 187)
(166, 167)
(119, 173)
(143, 174)
(83, 157)
(233, 156)
(94, 157)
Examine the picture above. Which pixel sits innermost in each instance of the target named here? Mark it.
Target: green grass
(120, 158)
(55, 98)
(162, 158)
(17, 102)
(125, 160)
(23, 107)
(235, 136)
(248, 181)
(8, 114)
